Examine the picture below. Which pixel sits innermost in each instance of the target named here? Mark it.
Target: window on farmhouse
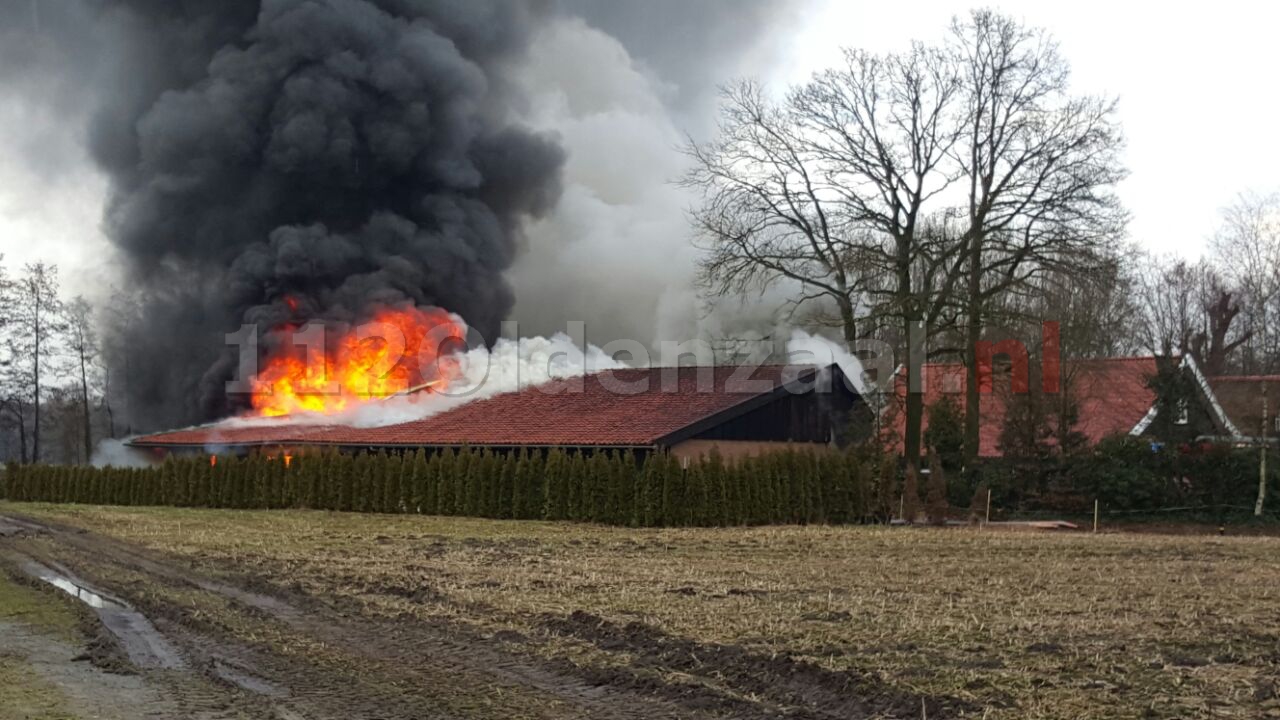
(1184, 414)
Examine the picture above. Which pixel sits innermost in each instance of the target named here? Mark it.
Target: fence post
(988, 507)
(1095, 515)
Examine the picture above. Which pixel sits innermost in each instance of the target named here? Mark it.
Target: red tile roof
(1112, 394)
(625, 408)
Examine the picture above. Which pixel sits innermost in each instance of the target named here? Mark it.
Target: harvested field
(520, 619)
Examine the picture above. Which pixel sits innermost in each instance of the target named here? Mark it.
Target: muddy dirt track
(217, 643)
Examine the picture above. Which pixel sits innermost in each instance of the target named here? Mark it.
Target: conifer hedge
(602, 487)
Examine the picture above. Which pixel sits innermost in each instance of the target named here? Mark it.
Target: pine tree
(522, 502)
(596, 506)
(392, 471)
(361, 500)
(506, 501)
(416, 482)
(473, 502)
(577, 486)
(454, 468)
(537, 490)
(556, 504)
(492, 484)
(229, 481)
(431, 491)
(449, 463)
(277, 476)
(348, 481)
(651, 490)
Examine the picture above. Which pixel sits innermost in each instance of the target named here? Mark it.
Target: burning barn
(687, 411)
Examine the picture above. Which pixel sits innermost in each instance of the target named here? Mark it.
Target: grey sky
(1197, 89)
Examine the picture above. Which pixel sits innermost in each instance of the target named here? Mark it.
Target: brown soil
(263, 647)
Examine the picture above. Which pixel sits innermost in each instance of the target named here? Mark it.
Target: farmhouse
(687, 411)
(1104, 396)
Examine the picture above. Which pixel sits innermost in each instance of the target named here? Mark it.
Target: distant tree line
(962, 191)
(601, 487)
(53, 384)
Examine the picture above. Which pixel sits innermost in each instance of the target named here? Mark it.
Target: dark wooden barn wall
(810, 417)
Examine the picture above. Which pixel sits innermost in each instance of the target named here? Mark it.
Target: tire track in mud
(400, 669)
(397, 668)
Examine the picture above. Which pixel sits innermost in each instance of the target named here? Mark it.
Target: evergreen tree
(537, 490)
(393, 469)
(361, 479)
(505, 504)
(346, 495)
(596, 508)
(431, 491)
(454, 467)
(577, 486)
(650, 495)
(522, 502)
(229, 480)
(473, 496)
(556, 504)
(417, 482)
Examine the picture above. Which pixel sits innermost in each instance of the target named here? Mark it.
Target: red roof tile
(1112, 395)
(630, 407)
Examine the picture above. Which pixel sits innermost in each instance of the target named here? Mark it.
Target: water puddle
(144, 645)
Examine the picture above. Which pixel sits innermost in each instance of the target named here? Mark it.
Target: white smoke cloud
(510, 365)
(617, 252)
(806, 349)
(115, 453)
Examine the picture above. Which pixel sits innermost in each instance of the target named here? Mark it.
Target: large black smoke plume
(341, 154)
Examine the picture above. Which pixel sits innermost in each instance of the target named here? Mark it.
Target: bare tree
(883, 129)
(1190, 309)
(912, 190)
(1247, 253)
(1040, 168)
(1169, 290)
(766, 215)
(37, 321)
(12, 406)
(82, 343)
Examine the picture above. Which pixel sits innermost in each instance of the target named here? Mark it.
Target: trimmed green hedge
(1129, 475)
(603, 487)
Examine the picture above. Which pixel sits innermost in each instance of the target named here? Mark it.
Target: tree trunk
(20, 416)
(973, 333)
(848, 324)
(88, 423)
(915, 363)
(111, 418)
(35, 428)
(912, 435)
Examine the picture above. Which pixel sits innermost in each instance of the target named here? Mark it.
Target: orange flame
(396, 351)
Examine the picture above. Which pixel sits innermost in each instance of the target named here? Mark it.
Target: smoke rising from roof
(347, 153)
(342, 153)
